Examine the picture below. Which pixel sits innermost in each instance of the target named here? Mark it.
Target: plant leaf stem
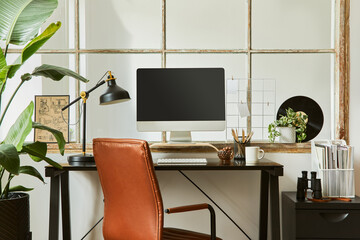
(6, 50)
(12, 97)
(6, 188)
(3, 86)
(2, 170)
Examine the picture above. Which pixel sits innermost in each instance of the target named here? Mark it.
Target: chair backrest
(133, 204)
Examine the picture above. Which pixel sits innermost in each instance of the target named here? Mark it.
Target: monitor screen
(180, 99)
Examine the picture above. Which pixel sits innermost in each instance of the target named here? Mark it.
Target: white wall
(206, 24)
(354, 111)
(25, 94)
(237, 192)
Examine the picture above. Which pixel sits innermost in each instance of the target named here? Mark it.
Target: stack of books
(334, 161)
(334, 156)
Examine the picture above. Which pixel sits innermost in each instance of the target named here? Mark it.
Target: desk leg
(274, 209)
(264, 203)
(65, 206)
(54, 208)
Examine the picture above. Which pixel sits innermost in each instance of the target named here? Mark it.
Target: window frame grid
(341, 51)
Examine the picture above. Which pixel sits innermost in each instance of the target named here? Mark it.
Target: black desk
(270, 171)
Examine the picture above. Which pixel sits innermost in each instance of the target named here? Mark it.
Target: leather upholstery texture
(133, 204)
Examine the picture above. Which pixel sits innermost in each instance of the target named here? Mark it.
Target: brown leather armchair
(133, 203)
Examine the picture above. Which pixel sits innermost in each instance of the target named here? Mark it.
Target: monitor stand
(180, 137)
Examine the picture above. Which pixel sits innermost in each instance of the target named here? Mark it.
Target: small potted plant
(289, 127)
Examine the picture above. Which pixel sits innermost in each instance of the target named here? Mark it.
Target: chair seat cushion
(180, 234)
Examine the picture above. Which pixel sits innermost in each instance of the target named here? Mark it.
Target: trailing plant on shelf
(20, 24)
(292, 119)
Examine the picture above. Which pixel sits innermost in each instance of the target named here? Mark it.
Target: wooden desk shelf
(197, 147)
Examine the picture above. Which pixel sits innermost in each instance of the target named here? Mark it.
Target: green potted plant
(20, 23)
(289, 127)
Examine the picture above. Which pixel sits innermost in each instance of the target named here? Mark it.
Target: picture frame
(48, 112)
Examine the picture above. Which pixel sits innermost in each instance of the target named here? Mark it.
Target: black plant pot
(15, 217)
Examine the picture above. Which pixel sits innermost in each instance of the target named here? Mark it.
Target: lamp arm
(87, 93)
(95, 87)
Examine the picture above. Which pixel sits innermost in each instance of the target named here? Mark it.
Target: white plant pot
(287, 134)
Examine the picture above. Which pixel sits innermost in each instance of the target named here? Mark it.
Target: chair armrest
(187, 208)
(194, 208)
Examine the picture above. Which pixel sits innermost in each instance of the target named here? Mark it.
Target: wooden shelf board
(197, 147)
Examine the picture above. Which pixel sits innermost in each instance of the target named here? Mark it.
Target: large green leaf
(2, 59)
(4, 72)
(29, 170)
(21, 20)
(9, 158)
(26, 77)
(33, 46)
(39, 147)
(30, 151)
(3, 75)
(21, 128)
(19, 188)
(57, 134)
(3, 69)
(56, 73)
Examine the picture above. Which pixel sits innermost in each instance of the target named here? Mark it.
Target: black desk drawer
(328, 224)
(320, 220)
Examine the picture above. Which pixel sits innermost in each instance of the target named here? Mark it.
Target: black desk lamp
(113, 94)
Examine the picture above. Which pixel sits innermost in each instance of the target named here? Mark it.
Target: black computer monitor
(180, 100)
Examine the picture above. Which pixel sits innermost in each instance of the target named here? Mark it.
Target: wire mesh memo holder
(261, 94)
(334, 162)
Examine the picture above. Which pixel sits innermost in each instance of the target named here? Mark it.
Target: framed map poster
(48, 112)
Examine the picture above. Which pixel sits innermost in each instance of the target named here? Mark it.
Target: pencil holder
(239, 150)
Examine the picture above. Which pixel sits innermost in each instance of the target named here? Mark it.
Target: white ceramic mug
(253, 154)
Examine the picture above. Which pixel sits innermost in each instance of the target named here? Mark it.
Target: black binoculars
(303, 186)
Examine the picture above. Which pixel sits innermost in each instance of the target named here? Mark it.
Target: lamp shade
(114, 94)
